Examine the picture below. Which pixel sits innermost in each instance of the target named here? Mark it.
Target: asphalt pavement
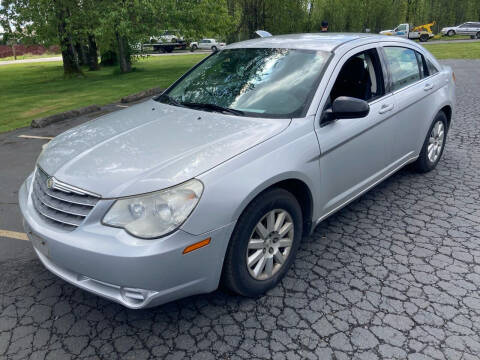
(395, 275)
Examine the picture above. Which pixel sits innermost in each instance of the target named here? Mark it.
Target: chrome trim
(61, 186)
(62, 205)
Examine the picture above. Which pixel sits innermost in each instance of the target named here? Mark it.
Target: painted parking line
(13, 235)
(35, 137)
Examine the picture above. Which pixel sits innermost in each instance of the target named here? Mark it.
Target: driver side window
(360, 77)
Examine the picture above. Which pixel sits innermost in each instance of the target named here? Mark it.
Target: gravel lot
(394, 275)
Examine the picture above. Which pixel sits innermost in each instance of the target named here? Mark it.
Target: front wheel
(214, 49)
(264, 243)
(450, 33)
(478, 35)
(433, 145)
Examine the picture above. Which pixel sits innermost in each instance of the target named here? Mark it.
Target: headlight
(156, 214)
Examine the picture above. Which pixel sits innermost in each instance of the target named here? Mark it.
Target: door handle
(428, 87)
(385, 108)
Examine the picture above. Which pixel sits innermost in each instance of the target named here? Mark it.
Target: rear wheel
(433, 145)
(263, 244)
(424, 37)
(450, 33)
(214, 48)
(478, 35)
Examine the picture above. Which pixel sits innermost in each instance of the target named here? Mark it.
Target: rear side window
(403, 66)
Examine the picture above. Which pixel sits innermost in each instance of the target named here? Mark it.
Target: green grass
(450, 38)
(468, 50)
(29, 56)
(34, 90)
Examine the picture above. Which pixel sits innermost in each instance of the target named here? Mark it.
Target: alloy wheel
(270, 244)
(435, 142)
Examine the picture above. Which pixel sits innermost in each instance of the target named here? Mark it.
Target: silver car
(217, 180)
(468, 28)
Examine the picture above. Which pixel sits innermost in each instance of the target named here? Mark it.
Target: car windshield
(277, 83)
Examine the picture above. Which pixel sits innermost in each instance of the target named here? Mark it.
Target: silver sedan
(218, 179)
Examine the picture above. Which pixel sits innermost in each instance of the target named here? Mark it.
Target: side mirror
(345, 107)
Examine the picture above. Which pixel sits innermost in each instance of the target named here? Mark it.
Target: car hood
(150, 146)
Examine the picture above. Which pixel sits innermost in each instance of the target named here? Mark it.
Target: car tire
(450, 33)
(194, 47)
(214, 49)
(478, 35)
(244, 279)
(424, 38)
(433, 145)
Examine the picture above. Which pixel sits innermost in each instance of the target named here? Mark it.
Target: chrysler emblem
(50, 182)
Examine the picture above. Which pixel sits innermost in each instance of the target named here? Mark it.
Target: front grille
(63, 206)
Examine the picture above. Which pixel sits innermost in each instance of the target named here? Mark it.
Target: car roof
(312, 41)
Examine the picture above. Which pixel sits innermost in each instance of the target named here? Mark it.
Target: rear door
(464, 29)
(476, 29)
(413, 84)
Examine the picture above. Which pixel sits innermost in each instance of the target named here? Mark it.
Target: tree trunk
(13, 51)
(81, 54)
(124, 59)
(70, 63)
(92, 53)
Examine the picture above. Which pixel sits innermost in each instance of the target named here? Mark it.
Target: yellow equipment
(425, 27)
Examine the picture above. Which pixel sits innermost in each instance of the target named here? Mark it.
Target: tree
(10, 23)
(49, 21)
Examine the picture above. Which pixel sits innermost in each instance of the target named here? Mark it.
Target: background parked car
(468, 28)
(167, 41)
(170, 36)
(207, 44)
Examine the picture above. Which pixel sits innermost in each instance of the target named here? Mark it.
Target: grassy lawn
(29, 91)
(450, 38)
(29, 56)
(468, 50)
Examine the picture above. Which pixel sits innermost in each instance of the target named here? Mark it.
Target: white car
(207, 44)
(167, 36)
(468, 28)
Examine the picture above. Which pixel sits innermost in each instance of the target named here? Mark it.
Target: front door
(355, 153)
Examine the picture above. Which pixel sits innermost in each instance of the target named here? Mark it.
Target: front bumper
(113, 264)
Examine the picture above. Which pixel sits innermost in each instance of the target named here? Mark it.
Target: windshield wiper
(213, 107)
(170, 100)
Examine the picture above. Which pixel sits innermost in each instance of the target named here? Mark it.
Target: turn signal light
(196, 246)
